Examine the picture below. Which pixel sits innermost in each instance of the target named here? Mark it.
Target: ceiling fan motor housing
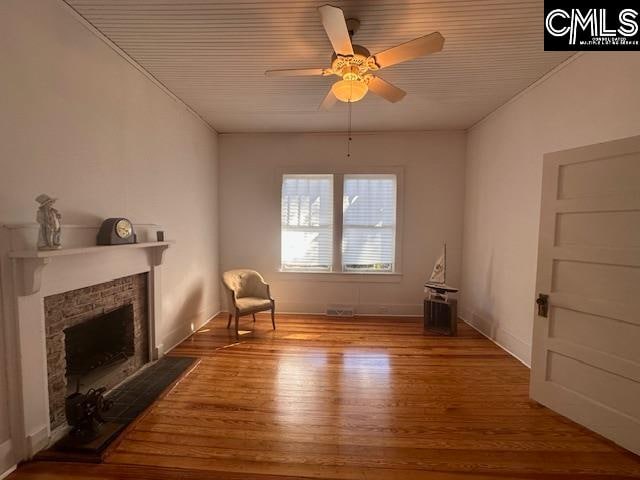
(359, 63)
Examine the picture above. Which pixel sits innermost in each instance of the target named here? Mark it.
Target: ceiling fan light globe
(349, 90)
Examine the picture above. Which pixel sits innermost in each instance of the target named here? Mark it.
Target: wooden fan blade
(295, 72)
(418, 47)
(336, 27)
(387, 91)
(329, 101)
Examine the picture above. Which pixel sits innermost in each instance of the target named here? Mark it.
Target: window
(362, 237)
(368, 223)
(307, 222)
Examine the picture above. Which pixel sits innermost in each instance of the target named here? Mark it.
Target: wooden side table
(441, 316)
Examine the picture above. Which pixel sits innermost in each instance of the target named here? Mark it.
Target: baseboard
(8, 472)
(6, 458)
(503, 339)
(180, 334)
(38, 440)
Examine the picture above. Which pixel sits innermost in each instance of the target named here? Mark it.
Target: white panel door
(586, 347)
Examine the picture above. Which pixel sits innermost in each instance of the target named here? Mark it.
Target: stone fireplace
(96, 336)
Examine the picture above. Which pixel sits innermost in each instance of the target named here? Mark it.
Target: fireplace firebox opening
(100, 341)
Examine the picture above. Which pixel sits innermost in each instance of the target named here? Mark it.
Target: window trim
(338, 191)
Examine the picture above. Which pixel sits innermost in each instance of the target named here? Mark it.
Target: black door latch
(543, 304)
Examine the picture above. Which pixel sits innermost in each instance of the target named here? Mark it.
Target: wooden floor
(365, 398)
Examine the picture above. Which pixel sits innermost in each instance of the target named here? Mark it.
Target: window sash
(369, 223)
(307, 222)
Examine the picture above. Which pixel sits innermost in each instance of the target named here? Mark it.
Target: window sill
(359, 277)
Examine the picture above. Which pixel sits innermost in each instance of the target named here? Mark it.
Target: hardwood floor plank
(271, 441)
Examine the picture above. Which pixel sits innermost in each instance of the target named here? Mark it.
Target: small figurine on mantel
(49, 220)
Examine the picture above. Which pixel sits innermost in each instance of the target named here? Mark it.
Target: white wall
(433, 172)
(594, 98)
(79, 122)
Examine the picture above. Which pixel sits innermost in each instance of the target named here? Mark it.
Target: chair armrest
(264, 290)
(232, 294)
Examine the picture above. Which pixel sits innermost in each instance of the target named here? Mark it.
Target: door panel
(594, 332)
(597, 281)
(598, 176)
(613, 231)
(597, 384)
(586, 351)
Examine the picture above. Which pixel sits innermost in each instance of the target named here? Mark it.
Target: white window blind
(307, 222)
(369, 223)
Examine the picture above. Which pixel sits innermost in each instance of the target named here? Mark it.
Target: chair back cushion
(245, 283)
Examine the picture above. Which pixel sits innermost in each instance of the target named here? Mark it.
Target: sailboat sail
(439, 269)
(437, 285)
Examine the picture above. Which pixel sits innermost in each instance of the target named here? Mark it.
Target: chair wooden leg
(254, 317)
(273, 315)
(237, 318)
(229, 321)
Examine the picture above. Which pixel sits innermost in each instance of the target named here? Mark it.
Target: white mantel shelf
(82, 250)
(31, 263)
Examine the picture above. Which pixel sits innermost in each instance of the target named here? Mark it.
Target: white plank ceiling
(213, 53)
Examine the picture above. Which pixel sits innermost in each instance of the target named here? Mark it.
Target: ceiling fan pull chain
(349, 133)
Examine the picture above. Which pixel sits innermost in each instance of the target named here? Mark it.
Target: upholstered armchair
(248, 294)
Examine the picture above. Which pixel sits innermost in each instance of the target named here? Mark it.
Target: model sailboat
(437, 284)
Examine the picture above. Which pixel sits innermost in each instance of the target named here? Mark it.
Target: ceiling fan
(354, 62)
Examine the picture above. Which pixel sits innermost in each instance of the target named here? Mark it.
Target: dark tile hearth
(134, 396)
(130, 400)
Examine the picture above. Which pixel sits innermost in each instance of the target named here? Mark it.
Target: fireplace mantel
(31, 262)
(27, 276)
